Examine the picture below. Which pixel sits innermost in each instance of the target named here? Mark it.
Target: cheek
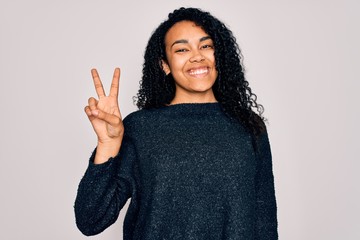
(211, 57)
(177, 63)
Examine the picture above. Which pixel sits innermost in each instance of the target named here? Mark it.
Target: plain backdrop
(301, 59)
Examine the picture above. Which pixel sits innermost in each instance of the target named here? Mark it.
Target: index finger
(114, 90)
(97, 83)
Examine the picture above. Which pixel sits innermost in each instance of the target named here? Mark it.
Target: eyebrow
(186, 41)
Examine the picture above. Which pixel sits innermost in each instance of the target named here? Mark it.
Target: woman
(195, 160)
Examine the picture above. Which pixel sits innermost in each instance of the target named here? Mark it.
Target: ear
(165, 67)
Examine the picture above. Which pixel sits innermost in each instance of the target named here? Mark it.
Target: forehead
(184, 30)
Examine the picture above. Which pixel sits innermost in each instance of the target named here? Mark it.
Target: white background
(301, 59)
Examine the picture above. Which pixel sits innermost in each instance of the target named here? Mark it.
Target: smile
(198, 71)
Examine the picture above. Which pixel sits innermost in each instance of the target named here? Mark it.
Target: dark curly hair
(231, 89)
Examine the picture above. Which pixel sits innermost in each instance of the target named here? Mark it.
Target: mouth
(198, 72)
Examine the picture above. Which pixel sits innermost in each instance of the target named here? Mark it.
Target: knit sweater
(191, 173)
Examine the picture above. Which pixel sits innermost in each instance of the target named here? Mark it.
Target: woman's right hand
(105, 117)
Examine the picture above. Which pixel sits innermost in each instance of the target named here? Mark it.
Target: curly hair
(231, 89)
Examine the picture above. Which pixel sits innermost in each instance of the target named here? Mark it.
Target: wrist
(106, 150)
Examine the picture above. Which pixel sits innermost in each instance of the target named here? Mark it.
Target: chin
(203, 87)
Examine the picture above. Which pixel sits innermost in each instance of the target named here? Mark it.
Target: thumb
(109, 118)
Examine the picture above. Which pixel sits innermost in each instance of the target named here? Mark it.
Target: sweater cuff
(95, 169)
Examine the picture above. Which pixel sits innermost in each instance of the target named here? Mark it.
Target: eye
(207, 46)
(181, 50)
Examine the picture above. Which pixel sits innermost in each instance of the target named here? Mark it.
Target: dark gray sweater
(191, 173)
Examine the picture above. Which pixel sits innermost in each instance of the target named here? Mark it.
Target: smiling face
(191, 61)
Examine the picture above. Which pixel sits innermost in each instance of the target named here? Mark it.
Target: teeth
(198, 71)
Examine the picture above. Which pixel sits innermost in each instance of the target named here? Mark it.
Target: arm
(266, 201)
(104, 190)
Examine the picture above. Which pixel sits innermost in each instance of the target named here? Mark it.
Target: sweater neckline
(190, 108)
(194, 104)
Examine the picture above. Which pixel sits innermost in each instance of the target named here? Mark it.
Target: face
(191, 61)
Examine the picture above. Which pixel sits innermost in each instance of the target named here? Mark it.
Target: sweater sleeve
(265, 192)
(104, 190)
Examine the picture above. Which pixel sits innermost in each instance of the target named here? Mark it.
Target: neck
(194, 98)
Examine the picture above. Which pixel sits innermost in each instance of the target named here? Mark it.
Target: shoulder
(142, 119)
(134, 118)
(140, 116)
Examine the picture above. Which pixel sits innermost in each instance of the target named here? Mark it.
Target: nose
(197, 57)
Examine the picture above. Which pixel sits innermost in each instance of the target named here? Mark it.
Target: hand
(105, 117)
